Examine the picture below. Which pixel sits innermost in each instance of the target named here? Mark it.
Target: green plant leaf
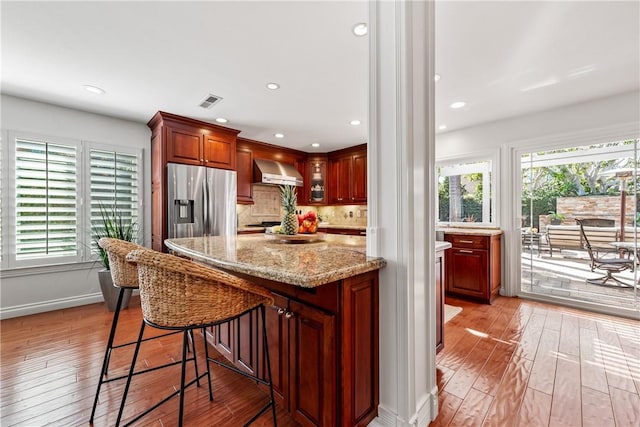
(112, 224)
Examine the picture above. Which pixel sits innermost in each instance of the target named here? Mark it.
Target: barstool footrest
(144, 371)
(145, 339)
(234, 369)
(166, 399)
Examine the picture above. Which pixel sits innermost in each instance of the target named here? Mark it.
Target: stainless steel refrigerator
(201, 201)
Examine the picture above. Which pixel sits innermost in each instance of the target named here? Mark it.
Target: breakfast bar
(322, 330)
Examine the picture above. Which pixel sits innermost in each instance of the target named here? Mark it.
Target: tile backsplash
(267, 207)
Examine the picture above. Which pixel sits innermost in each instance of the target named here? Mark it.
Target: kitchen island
(323, 327)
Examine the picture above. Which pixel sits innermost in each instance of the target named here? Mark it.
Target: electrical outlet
(359, 213)
(350, 214)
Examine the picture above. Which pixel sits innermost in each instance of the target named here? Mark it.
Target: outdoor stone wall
(606, 207)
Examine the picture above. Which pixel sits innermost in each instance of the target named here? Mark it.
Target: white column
(401, 207)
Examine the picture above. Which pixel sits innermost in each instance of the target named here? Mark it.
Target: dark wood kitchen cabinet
(316, 181)
(323, 345)
(473, 266)
(244, 165)
(348, 176)
(192, 142)
(176, 139)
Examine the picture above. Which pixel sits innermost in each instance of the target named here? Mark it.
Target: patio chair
(610, 265)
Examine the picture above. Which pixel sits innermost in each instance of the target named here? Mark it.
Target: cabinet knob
(280, 311)
(206, 161)
(202, 160)
(289, 315)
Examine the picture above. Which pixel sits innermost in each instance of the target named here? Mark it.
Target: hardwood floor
(523, 363)
(513, 363)
(50, 362)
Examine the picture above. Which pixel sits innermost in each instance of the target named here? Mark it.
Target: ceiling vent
(210, 100)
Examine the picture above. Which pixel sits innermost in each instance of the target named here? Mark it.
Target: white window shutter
(46, 200)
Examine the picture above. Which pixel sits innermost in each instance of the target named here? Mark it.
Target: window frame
(85, 255)
(493, 191)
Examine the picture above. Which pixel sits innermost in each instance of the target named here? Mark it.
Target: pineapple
(290, 219)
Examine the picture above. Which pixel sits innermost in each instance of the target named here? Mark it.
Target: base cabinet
(323, 346)
(473, 266)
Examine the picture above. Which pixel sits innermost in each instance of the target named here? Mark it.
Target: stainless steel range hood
(272, 172)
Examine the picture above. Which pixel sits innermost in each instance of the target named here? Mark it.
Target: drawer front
(467, 241)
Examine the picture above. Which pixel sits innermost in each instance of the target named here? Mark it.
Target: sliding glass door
(579, 225)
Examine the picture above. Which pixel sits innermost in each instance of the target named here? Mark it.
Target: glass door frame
(511, 183)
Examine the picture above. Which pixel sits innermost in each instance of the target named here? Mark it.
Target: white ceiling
(503, 58)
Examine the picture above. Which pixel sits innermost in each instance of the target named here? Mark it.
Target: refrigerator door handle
(205, 196)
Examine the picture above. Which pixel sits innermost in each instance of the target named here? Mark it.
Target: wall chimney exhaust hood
(272, 172)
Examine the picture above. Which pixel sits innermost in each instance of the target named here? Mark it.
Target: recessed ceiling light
(354, 122)
(458, 104)
(273, 86)
(279, 135)
(315, 144)
(436, 77)
(95, 89)
(442, 127)
(360, 29)
(221, 120)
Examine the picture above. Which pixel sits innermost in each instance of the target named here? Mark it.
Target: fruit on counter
(308, 223)
(276, 229)
(289, 224)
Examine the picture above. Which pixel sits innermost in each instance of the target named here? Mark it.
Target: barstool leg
(185, 345)
(206, 358)
(107, 353)
(191, 344)
(133, 364)
(265, 349)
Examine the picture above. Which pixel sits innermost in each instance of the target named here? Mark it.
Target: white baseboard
(422, 416)
(386, 418)
(41, 307)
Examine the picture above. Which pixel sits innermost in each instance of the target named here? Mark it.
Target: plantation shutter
(114, 186)
(46, 199)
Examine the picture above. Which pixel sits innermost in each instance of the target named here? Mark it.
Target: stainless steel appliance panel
(185, 196)
(220, 200)
(201, 201)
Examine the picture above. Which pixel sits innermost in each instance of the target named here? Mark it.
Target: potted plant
(112, 223)
(555, 218)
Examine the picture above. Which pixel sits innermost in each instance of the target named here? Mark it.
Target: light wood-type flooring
(513, 363)
(523, 363)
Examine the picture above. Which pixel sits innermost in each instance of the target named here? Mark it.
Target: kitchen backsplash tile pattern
(267, 207)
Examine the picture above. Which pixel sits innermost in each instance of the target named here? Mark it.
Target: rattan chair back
(123, 273)
(178, 293)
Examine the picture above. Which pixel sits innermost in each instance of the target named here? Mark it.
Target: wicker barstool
(178, 294)
(125, 277)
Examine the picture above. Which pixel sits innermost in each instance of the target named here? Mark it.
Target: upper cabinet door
(184, 147)
(316, 182)
(219, 151)
(359, 177)
(244, 163)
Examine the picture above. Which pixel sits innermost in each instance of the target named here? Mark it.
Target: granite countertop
(441, 246)
(251, 228)
(343, 227)
(471, 231)
(305, 264)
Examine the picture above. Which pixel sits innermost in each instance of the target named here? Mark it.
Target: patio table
(629, 248)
